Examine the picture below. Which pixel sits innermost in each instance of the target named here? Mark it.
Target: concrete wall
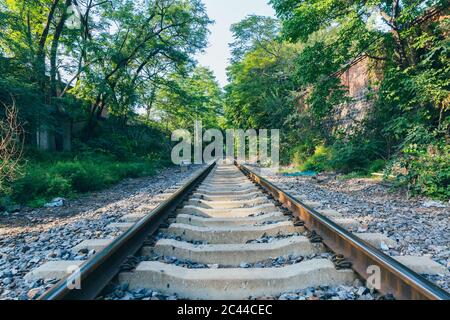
(49, 140)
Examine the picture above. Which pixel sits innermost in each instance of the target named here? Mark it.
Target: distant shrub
(133, 170)
(299, 154)
(319, 161)
(58, 185)
(116, 146)
(47, 180)
(424, 170)
(39, 183)
(377, 166)
(83, 175)
(345, 157)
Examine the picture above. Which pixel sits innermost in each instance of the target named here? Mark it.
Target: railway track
(224, 228)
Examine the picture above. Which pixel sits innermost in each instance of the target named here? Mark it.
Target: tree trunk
(94, 115)
(40, 55)
(400, 48)
(54, 49)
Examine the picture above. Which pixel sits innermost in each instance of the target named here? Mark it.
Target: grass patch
(65, 177)
(318, 162)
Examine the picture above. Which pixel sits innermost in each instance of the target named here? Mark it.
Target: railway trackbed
(217, 237)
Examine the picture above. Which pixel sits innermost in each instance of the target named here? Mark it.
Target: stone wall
(360, 78)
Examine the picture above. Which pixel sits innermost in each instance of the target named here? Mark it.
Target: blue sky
(225, 13)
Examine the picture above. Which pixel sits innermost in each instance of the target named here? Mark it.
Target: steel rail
(395, 278)
(98, 271)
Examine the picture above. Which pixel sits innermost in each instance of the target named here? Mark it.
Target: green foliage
(84, 176)
(299, 92)
(298, 154)
(319, 161)
(65, 178)
(377, 166)
(185, 99)
(251, 33)
(38, 183)
(124, 58)
(341, 157)
(354, 155)
(259, 95)
(116, 69)
(427, 171)
(423, 166)
(58, 185)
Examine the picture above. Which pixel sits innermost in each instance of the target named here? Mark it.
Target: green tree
(182, 100)
(170, 32)
(411, 103)
(110, 61)
(262, 82)
(251, 33)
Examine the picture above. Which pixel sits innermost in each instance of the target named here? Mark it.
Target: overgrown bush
(352, 155)
(377, 166)
(319, 161)
(47, 180)
(424, 170)
(114, 145)
(345, 157)
(39, 183)
(84, 175)
(298, 154)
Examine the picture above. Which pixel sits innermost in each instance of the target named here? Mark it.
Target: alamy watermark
(374, 279)
(73, 281)
(244, 146)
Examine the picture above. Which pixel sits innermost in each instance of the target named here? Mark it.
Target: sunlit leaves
(252, 33)
(182, 100)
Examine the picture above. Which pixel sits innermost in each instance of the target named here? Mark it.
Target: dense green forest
(97, 87)
(91, 90)
(285, 74)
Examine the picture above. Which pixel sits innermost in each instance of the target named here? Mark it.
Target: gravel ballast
(420, 226)
(30, 238)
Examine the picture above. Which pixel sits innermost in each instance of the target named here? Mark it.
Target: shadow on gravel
(118, 197)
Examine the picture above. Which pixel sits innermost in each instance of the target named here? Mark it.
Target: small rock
(57, 202)
(362, 291)
(51, 255)
(264, 298)
(139, 296)
(363, 229)
(123, 287)
(288, 296)
(384, 246)
(431, 203)
(33, 293)
(83, 251)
